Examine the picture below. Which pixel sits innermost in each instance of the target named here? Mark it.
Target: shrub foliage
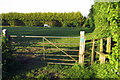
(71, 19)
(7, 58)
(105, 17)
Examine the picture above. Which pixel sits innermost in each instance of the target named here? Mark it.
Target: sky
(27, 6)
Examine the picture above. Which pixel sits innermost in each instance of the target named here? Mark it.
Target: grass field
(34, 44)
(32, 68)
(46, 31)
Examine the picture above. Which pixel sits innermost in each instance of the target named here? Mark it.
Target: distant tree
(71, 19)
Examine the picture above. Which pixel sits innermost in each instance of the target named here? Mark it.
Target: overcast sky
(26, 6)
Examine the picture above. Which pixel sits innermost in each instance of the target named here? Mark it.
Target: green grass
(51, 72)
(55, 31)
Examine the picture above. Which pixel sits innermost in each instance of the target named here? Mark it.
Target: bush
(7, 58)
(107, 71)
(96, 71)
(78, 71)
(53, 23)
(5, 23)
(34, 19)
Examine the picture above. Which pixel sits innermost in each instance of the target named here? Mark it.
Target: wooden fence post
(101, 45)
(81, 47)
(102, 55)
(5, 33)
(43, 48)
(108, 46)
(93, 52)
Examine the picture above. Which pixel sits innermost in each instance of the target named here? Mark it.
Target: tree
(106, 20)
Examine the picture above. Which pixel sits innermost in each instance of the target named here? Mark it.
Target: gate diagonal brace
(60, 49)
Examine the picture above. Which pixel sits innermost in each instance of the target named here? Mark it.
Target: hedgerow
(71, 19)
(105, 17)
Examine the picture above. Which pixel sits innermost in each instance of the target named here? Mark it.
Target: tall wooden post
(101, 45)
(81, 47)
(5, 33)
(108, 46)
(93, 52)
(43, 48)
(102, 55)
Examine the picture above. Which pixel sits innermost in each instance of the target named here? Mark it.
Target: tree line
(71, 19)
(104, 16)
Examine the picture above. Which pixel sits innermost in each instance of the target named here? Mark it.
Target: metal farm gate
(51, 50)
(61, 50)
